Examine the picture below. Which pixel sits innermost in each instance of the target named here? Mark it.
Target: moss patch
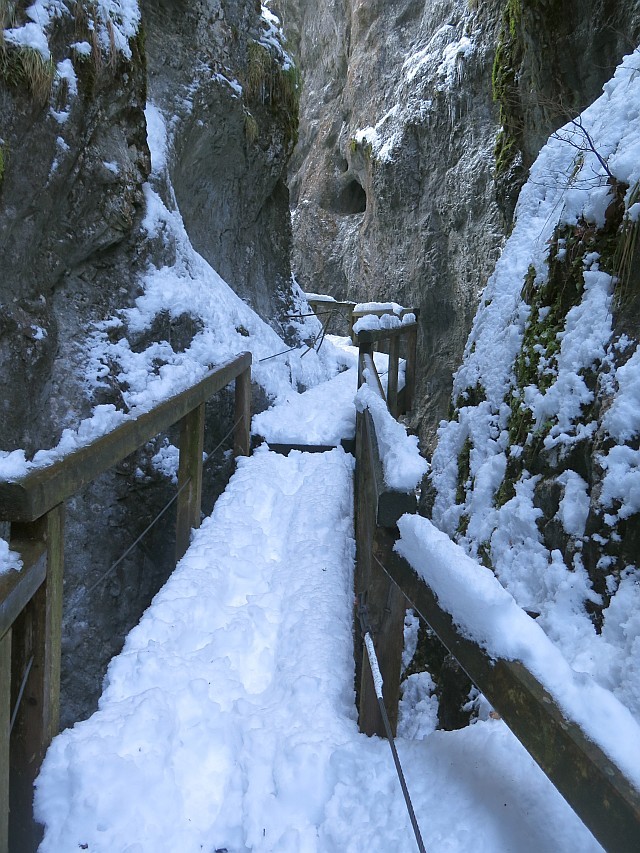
(507, 60)
(272, 86)
(24, 68)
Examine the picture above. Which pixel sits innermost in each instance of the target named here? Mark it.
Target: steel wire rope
(23, 684)
(367, 639)
(113, 566)
(157, 518)
(170, 503)
(320, 336)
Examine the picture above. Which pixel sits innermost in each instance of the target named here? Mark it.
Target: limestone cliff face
(230, 145)
(74, 166)
(402, 184)
(74, 160)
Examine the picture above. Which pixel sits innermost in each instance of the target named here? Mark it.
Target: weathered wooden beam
(390, 504)
(242, 416)
(392, 375)
(364, 350)
(410, 368)
(37, 635)
(385, 604)
(375, 382)
(596, 789)
(285, 449)
(189, 478)
(370, 336)
(18, 588)
(5, 719)
(30, 497)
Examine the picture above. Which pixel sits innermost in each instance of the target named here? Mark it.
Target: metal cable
(313, 314)
(276, 354)
(23, 684)
(377, 679)
(170, 503)
(320, 337)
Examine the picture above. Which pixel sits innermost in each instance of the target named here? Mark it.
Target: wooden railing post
(5, 718)
(36, 641)
(363, 349)
(392, 375)
(242, 416)
(189, 478)
(384, 602)
(410, 368)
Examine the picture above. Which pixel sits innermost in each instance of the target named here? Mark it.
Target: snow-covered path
(228, 721)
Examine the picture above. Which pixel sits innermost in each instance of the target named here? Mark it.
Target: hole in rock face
(343, 166)
(352, 199)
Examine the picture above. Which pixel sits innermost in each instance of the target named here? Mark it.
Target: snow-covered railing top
(395, 332)
(585, 741)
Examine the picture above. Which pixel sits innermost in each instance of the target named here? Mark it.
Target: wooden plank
(364, 350)
(242, 416)
(369, 719)
(392, 375)
(189, 478)
(374, 377)
(35, 494)
(37, 634)
(347, 444)
(410, 368)
(384, 602)
(390, 504)
(285, 449)
(330, 302)
(597, 790)
(5, 719)
(18, 588)
(370, 336)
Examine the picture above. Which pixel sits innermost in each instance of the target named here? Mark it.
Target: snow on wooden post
(242, 433)
(392, 375)
(410, 367)
(189, 477)
(5, 717)
(36, 648)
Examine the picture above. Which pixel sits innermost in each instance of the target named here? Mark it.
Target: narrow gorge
(174, 176)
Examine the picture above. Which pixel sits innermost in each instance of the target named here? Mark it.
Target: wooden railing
(377, 510)
(401, 341)
(31, 599)
(598, 790)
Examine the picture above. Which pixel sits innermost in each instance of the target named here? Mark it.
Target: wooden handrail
(31, 496)
(593, 785)
(368, 339)
(31, 600)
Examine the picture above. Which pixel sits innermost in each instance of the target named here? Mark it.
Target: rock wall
(74, 163)
(402, 184)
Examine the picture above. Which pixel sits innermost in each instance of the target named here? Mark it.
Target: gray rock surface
(72, 248)
(419, 215)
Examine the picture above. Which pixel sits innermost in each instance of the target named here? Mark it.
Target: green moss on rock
(275, 87)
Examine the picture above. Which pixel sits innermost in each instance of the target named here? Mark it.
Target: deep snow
(228, 720)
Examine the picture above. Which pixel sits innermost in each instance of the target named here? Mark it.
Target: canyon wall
(75, 246)
(419, 121)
